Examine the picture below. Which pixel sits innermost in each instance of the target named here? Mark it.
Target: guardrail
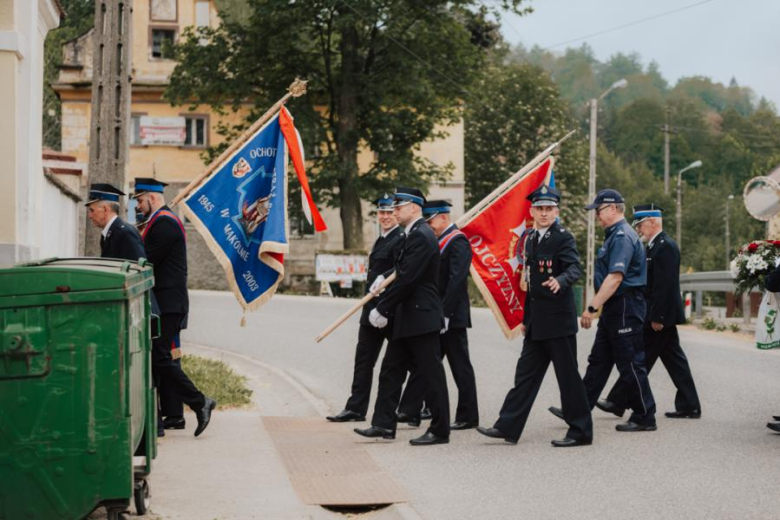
(714, 281)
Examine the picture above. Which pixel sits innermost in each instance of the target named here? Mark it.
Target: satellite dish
(762, 198)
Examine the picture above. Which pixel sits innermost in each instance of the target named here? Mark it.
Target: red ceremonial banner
(497, 234)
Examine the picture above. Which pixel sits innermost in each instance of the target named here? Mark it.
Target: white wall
(60, 234)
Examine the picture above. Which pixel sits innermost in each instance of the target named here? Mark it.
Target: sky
(718, 38)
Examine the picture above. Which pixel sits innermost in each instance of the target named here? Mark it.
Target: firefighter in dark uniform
(412, 302)
(772, 283)
(664, 312)
(620, 276)
(118, 239)
(165, 246)
(370, 339)
(552, 266)
(453, 288)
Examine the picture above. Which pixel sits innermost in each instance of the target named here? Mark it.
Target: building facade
(166, 142)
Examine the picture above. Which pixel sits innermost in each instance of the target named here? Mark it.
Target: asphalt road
(723, 466)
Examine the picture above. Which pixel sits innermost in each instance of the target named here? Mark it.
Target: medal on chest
(541, 266)
(549, 266)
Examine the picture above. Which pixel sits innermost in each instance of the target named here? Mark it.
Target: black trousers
(529, 374)
(170, 404)
(665, 345)
(370, 340)
(166, 372)
(423, 352)
(627, 354)
(455, 347)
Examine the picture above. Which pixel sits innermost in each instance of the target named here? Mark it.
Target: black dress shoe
(346, 416)
(634, 427)
(684, 414)
(610, 407)
(495, 433)
(426, 414)
(774, 426)
(568, 442)
(557, 412)
(376, 432)
(776, 417)
(404, 418)
(429, 438)
(173, 423)
(204, 415)
(463, 425)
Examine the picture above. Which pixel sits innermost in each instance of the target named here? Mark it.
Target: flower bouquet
(753, 262)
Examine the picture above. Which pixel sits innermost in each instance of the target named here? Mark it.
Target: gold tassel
(243, 319)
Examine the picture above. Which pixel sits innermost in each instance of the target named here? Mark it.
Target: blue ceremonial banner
(241, 211)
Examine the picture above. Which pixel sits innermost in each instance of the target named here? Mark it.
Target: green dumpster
(77, 407)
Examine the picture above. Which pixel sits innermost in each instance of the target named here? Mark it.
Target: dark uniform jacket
(166, 248)
(453, 279)
(412, 300)
(381, 260)
(548, 315)
(122, 241)
(662, 293)
(772, 280)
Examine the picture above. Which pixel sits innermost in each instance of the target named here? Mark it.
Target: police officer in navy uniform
(552, 266)
(453, 288)
(165, 246)
(664, 312)
(620, 276)
(118, 239)
(370, 339)
(412, 301)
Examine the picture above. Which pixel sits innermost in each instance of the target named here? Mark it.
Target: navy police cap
(643, 212)
(147, 184)
(435, 207)
(544, 195)
(403, 196)
(101, 191)
(607, 196)
(384, 203)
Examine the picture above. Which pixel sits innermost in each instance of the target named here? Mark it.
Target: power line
(629, 24)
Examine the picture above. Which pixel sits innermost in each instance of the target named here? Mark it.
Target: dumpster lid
(65, 275)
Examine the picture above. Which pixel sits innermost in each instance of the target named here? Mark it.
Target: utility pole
(111, 80)
(591, 243)
(667, 131)
(728, 234)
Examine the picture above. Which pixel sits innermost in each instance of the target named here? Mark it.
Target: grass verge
(217, 380)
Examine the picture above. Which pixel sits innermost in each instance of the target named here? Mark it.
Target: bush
(720, 328)
(709, 324)
(734, 327)
(217, 380)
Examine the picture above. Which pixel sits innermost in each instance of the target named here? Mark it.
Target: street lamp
(728, 235)
(694, 164)
(591, 249)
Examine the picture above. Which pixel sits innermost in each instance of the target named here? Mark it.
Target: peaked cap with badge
(384, 203)
(606, 196)
(148, 185)
(435, 207)
(404, 196)
(102, 191)
(643, 212)
(544, 195)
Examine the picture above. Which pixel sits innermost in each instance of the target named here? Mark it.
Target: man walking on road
(165, 245)
(413, 303)
(370, 339)
(453, 289)
(664, 313)
(619, 278)
(118, 239)
(552, 266)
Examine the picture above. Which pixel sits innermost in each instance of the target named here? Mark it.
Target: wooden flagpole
(462, 221)
(296, 89)
(344, 317)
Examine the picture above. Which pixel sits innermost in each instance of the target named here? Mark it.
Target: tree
(80, 17)
(382, 76)
(520, 114)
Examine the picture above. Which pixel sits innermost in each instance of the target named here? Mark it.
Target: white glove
(375, 286)
(446, 325)
(376, 319)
